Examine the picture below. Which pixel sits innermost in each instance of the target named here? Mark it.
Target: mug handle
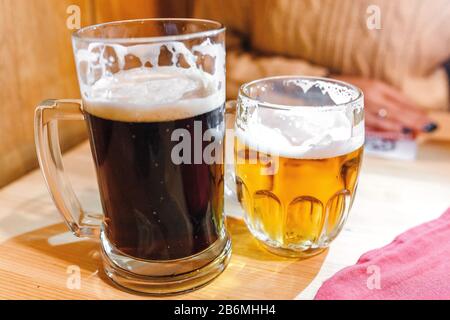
(47, 115)
(230, 118)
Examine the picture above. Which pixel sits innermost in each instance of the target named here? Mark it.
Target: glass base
(292, 253)
(168, 277)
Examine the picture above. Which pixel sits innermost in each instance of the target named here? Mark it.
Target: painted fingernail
(430, 127)
(406, 130)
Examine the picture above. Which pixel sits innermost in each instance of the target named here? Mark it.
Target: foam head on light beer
(298, 150)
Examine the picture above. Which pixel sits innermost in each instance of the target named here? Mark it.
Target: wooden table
(37, 252)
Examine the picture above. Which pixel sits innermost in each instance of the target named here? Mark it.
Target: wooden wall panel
(35, 63)
(176, 8)
(111, 10)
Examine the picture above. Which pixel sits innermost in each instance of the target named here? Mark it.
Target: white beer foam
(153, 94)
(302, 134)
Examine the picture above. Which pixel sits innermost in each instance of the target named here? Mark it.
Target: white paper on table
(402, 149)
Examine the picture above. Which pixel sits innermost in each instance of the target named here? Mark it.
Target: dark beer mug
(153, 98)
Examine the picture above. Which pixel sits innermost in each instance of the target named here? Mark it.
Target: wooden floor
(37, 252)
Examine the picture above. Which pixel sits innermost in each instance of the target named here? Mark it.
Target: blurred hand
(388, 110)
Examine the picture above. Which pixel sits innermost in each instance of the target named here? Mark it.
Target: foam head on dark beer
(153, 95)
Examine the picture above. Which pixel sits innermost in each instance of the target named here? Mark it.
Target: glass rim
(217, 27)
(359, 97)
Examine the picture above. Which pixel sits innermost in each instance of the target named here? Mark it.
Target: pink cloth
(416, 265)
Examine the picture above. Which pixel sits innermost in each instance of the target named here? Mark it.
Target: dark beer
(154, 208)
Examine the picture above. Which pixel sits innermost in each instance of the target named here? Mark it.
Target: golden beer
(293, 203)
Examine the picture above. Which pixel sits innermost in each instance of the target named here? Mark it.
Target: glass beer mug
(298, 150)
(153, 99)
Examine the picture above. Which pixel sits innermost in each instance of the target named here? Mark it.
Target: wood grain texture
(176, 8)
(36, 63)
(36, 250)
(112, 10)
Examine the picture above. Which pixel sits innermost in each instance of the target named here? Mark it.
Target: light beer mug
(153, 99)
(298, 151)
